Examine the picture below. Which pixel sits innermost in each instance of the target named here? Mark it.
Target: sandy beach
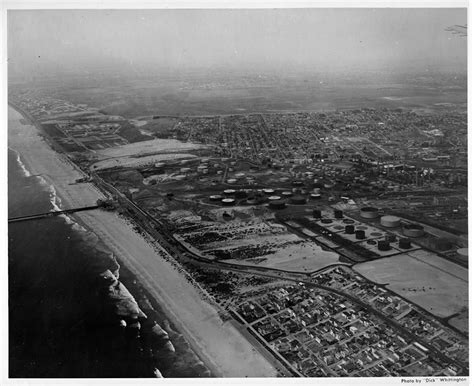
(220, 345)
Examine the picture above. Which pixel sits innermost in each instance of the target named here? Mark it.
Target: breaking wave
(55, 201)
(23, 168)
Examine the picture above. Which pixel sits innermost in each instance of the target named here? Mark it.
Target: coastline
(220, 345)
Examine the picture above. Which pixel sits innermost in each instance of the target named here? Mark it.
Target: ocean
(58, 325)
(46, 313)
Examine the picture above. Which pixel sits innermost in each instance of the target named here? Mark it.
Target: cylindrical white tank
(369, 212)
(390, 221)
(413, 230)
(463, 252)
(228, 201)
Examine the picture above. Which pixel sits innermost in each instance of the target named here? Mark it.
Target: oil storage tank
(413, 230)
(215, 197)
(277, 204)
(404, 243)
(298, 200)
(369, 212)
(390, 221)
(228, 201)
(463, 254)
(349, 229)
(383, 245)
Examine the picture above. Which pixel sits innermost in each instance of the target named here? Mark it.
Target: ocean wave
(20, 163)
(88, 237)
(55, 201)
(78, 227)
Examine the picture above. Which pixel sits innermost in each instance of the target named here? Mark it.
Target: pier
(39, 216)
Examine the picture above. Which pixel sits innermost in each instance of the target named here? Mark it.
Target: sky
(322, 39)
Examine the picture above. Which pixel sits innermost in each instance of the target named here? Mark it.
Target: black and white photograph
(258, 191)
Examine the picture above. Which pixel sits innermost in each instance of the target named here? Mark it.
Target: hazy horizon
(50, 41)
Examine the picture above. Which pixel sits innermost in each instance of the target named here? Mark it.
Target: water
(58, 318)
(55, 311)
(41, 269)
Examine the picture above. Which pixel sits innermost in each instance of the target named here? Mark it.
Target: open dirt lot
(461, 322)
(435, 286)
(138, 162)
(154, 146)
(304, 257)
(271, 246)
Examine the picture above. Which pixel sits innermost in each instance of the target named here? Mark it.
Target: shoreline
(28, 168)
(220, 345)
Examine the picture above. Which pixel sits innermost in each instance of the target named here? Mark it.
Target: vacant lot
(461, 322)
(437, 286)
(302, 257)
(261, 244)
(126, 162)
(154, 146)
